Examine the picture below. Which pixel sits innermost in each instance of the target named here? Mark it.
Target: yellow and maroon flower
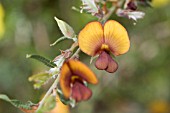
(73, 76)
(111, 37)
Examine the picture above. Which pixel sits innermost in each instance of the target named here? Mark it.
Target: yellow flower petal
(2, 26)
(60, 107)
(91, 38)
(65, 79)
(80, 69)
(116, 37)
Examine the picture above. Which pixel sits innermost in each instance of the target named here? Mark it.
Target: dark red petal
(112, 66)
(131, 5)
(102, 61)
(80, 92)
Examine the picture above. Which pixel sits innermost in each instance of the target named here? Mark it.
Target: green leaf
(49, 104)
(47, 62)
(40, 79)
(4, 97)
(65, 101)
(18, 104)
(66, 29)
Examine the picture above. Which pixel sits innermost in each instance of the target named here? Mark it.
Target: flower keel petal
(80, 92)
(102, 61)
(112, 65)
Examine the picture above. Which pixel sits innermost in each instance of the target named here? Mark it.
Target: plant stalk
(54, 85)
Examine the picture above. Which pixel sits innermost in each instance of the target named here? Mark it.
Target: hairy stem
(107, 16)
(113, 9)
(54, 85)
(76, 53)
(74, 45)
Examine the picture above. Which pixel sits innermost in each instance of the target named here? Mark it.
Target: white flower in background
(54, 71)
(59, 62)
(134, 15)
(90, 6)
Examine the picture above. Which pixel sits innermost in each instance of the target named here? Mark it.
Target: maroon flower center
(80, 91)
(105, 62)
(131, 5)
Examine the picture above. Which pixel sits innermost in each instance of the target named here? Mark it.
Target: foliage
(42, 59)
(27, 107)
(40, 79)
(140, 83)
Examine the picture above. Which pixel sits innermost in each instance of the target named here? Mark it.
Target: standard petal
(91, 38)
(80, 69)
(116, 37)
(65, 80)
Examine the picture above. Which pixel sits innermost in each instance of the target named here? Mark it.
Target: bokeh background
(141, 84)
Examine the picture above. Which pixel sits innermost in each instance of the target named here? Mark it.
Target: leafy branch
(26, 107)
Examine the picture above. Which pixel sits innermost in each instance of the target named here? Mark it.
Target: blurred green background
(141, 84)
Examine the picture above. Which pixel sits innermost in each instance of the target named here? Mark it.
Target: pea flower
(74, 74)
(97, 39)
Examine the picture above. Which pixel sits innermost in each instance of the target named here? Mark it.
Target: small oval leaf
(66, 29)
